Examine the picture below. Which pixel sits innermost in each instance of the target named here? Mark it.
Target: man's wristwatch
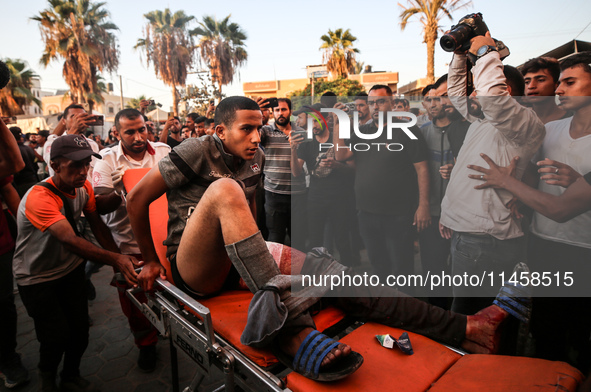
(483, 50)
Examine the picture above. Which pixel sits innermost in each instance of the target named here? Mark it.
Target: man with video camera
(486, 236)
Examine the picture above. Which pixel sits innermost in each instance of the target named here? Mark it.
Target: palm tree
(359, 65)
(338, 52)
(80, 33)
(169, 47)
(221, 45)
(431, 12)
(17, 92)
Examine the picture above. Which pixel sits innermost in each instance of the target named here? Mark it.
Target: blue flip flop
(310, 354)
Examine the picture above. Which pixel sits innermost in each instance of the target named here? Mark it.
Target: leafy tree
(343, 88)
(80, 33)
(169, 48)
(198, 96)
(221, 45)
(17, 92)
(338, 52)
(431, 12)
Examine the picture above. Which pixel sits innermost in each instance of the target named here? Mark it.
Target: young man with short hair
(565, 246)
(541, 79)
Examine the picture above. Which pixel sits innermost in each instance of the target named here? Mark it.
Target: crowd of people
(484, 182)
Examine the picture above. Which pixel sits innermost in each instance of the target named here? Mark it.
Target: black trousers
(7, 310)
(59, 309)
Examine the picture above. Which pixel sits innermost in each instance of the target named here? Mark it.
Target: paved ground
(110, 359)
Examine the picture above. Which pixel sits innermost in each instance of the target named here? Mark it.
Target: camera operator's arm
(457, 80)
(11, 160)
(164, 135)
(144, 103)
(422, 218)
(210, 110)
(520, 125)
(60, 128)
(297, 164)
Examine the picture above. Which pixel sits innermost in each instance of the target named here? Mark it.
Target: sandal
(310, 354)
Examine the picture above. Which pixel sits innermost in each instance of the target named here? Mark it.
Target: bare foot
(483, 330)
(291, 344)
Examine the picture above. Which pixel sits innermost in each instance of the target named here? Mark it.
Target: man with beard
(285, 195)
(363, 109)
(173, 125)
(133, 152)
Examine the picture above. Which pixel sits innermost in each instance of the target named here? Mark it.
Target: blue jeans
(474, 254)
(389, 242)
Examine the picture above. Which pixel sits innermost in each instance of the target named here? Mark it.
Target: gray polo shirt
(189, 170)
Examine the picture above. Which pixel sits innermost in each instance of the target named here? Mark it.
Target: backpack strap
(67, 206)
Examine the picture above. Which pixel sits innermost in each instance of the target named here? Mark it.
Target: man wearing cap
(48, 261)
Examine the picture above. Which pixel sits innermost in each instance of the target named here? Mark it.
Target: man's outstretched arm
(574, 201)
(150, 188)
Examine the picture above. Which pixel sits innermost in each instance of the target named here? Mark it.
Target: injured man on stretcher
(213, 241)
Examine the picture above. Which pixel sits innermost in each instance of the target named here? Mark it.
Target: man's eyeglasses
(379, 102)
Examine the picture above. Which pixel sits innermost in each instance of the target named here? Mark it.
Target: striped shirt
(278, 178)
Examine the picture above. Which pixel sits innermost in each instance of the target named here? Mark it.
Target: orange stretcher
(208, 331)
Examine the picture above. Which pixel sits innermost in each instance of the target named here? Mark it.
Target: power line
(588, 24)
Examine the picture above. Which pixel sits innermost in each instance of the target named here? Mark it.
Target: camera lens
(456, 38)
(448, 43)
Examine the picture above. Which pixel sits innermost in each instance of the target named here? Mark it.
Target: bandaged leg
(478, 333)
(272, 301)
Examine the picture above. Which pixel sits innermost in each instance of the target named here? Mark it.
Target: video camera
(470, 26)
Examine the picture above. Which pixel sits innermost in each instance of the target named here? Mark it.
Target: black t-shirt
(331, 185)
(588, 178)
(29, 172)
(172, 142)
(386, 181)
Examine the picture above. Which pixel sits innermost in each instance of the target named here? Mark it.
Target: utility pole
(121, 90)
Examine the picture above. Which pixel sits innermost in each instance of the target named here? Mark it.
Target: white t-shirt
(560, 146)
(113, 157)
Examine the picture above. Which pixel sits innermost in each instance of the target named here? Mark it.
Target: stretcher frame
(188, 325)
(169, 310)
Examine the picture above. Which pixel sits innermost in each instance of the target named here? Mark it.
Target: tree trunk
(175, 101)
(430, 39)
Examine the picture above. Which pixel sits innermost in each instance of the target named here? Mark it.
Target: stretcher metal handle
(192, 304)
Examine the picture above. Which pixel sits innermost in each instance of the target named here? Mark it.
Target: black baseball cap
(74, 147)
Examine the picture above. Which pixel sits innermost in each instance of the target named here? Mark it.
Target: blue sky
(283, 39)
